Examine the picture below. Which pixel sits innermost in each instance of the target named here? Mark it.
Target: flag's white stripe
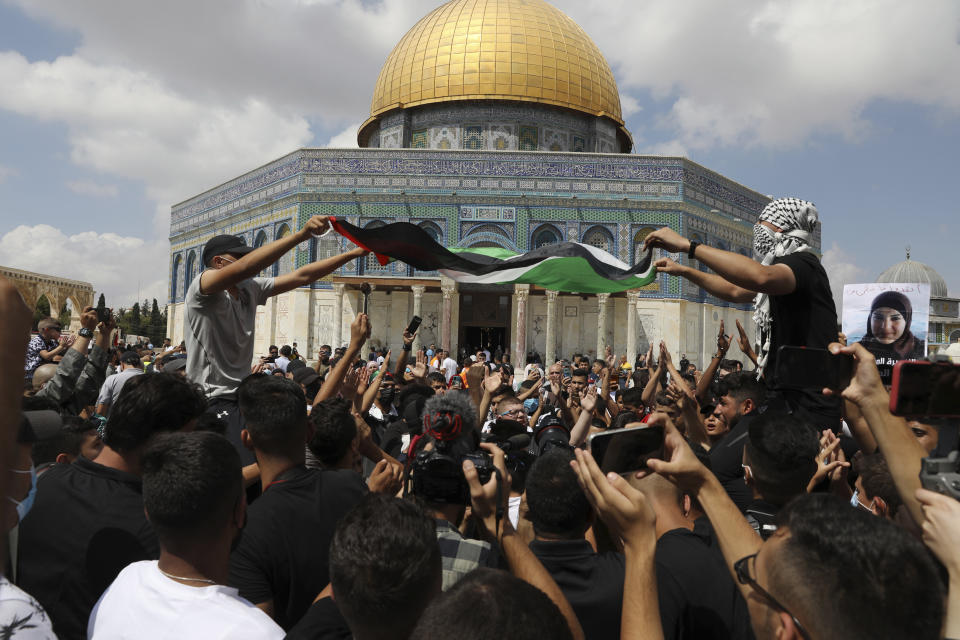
(505, 275)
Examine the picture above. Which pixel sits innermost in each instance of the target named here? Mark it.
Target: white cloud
(119, 266)
(346, 139)
(7, 172)
(129, 124)
(775, 73)
(90, 188)
(841, 270)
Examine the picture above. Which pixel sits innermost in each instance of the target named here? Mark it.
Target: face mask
(530, 405)
(763, 240)
(23, 506)
(387, 395)
(855, 501)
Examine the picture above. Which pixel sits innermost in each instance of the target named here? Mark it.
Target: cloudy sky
(112, 111)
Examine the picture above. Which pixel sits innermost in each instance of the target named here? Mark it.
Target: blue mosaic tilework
(418, 139)
(473, 137)
(579, 144)
(529, 138)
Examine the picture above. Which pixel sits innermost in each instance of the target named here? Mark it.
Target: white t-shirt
(145, 604)
(21, 616)
(281, 363)
(449, 366)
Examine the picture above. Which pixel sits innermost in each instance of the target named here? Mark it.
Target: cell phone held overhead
(626, 450)
(922, 389)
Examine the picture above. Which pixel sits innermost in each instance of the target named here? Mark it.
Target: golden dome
(518, 50)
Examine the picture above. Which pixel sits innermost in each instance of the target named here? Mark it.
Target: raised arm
(744, 343)
(711, 282)
(491, 512)
(359, 332)
(680, 466)
(214, 280)
(903, 452)
(723, 345)
(312, 272)
(741, 271)
(627, 514)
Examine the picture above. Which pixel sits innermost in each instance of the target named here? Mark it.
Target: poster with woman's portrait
(889, 319)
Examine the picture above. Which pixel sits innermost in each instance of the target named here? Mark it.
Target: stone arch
(190, 271)
(285, 264)
(545, 234)
(638, 239)
(954, 336)
(176, 277)
(433, 230)
(599, 237)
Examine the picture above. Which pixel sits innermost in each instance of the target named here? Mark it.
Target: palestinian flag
(563, 266)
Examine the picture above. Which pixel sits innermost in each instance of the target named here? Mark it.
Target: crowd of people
(204, 491)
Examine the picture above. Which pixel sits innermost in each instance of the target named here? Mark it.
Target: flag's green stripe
(493, 252)
(574, 275)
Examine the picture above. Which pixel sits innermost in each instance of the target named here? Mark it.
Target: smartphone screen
(808, 368)
(625, 450)
(924, 389)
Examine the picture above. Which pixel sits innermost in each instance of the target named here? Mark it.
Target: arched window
(600, 238)
(191, 270)
(954, 336)
(433, 230)
(285, 264)
(259, 240)
(544, 235)
(370, 264)
(638, 239)
(176, 277)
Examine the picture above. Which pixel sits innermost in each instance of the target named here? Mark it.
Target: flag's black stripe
(410, 244)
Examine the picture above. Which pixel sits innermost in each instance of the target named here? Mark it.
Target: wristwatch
(693, 247)
(85, 333)
(407, 347)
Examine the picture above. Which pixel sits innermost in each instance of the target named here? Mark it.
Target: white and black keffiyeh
(797, 220)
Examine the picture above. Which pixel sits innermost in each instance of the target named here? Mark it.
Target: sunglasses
(744, 567)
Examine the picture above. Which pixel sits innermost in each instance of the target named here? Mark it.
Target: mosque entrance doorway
(484, 319)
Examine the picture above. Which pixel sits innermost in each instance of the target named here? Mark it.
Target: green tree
(64, 316)
(158, 324)
(41, 311)
(136, 321)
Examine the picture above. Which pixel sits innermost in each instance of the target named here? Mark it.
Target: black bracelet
(408, 347)
(693, 247)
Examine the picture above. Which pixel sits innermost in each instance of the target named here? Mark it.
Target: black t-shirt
(592, 583)
(284, 549)
(86, 525)
(805, 318)
(726, 462)
(323, 621)
(697, 596)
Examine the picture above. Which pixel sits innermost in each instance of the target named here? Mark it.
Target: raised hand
(88, 318)
(679, 465)
(865, 383)
(483, 497)
(351, 382)
(829, 460)
(492, 382)
(666, 265)
(315, 226)
(419, 370)
(588, 399)
(359, 330)
(667, 238)
(385, 478)
(723, 340)
(624, 509)
(610, 358)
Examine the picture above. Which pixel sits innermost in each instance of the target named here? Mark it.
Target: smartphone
(414, 325)
(924, 389)
(566, 372)
(625, 450)
(810, 368)
(103, 315)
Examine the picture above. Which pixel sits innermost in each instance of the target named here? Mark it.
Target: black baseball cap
(218, 245)
(38, 425)
(305, 376)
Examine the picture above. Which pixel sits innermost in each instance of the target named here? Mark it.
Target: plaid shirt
(460, 555)
(34, 347)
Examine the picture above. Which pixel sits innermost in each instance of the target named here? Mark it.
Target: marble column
(551, 355)
(338, 290)
(602, 300)
(446, 318)
(632, 297)
(520, 294)
(418, 290)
